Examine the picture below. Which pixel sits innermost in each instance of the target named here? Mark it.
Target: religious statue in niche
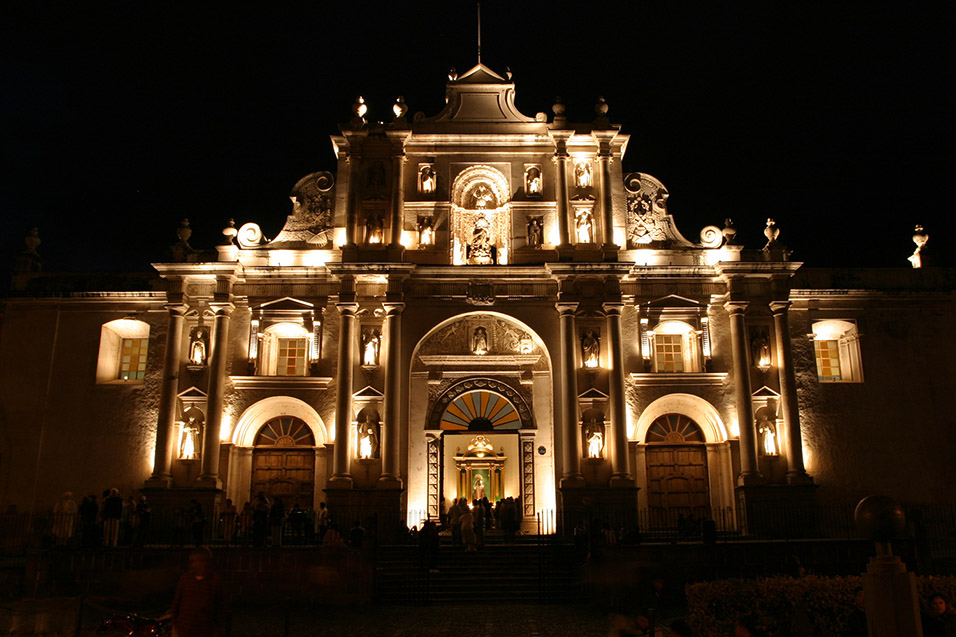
(767, 431)
(480, 250)
(584, 226)
(376, 174)
(371, 343)
(374, 229)
(591, 348)
(192, 424)
(426, 231)
(594, 433)
(582, 174)
(479, 341)
(760, 346)
(483, 198)
(534, 233)
(198, 344)
(479, 491)
(368, 434)
(426, 180)
(532, 181)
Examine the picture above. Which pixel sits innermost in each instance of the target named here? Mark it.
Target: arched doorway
(283, 461)
(676, 460)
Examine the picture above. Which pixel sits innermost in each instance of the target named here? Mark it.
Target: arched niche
(257, 414)
(480, 217)
(694, 407)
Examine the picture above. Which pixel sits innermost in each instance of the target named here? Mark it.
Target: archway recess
(257, 414)
(694, 407)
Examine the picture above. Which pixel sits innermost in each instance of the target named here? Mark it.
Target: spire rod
(479, 33)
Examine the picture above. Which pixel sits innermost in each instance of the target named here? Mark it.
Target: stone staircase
(522, 572)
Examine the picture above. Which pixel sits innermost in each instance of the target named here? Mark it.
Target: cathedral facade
(480, 303)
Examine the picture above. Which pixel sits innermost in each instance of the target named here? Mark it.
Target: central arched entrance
(676, 470)
(283, 461)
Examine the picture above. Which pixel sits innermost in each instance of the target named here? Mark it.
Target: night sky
(119, 119)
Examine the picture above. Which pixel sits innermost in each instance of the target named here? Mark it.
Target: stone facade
(482, 277)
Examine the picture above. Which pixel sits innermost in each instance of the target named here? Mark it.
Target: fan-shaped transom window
(674, 429)
(480, 410)
(285, 431)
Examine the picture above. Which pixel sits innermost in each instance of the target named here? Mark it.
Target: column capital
(780, 307)
(613, 308)
(176, 309)
(222, 308)
(347, 309)
(566, 307)
(393, 308)
(736, 307)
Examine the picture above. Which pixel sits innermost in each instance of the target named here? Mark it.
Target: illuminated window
(676, 348)
(284, 349)
(292, 357)
(669, 352)
(123, 351)
(836, 346)
(133, 359)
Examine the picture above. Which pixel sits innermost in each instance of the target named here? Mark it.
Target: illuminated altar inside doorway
(480, 471)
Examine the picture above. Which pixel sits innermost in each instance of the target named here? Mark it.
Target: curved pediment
(480, 95)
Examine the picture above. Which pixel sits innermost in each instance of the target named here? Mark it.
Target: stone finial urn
(880, 518)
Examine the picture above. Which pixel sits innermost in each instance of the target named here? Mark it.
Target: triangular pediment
(765, 392)
(592, 394)
(673, 300)
(193, 393)
(287, 303)
(480, 96)
(368, 392)
(479, 74)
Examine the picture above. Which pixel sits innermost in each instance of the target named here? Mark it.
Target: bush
(772, 602)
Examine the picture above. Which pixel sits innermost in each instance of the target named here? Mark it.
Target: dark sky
(119, 119)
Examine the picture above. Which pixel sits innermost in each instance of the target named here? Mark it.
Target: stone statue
(368, 436)
(479, 341)
(426, 180)
(426, 232)
(534, 233)
(768, 437)
(594, 437)
(591, 348)
(480, 250)
(479, 491)
(371, 342)
(192, 423)
(583, 226)
(582, 174)
(483, 198)
(373, 229)
(198, 344)
(532, 181)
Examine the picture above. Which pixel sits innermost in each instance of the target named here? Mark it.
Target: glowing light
(630, 425)
(734, 428)
(764, 363)
(554, 234)
(365, 447)
(151, 458)
(406, 240)
(339, 237)
(619, 236)
(595, 444)
(189, 446)
(313, 259)
(645, 340)
(225, 429)
(591, 362)
(281, 258)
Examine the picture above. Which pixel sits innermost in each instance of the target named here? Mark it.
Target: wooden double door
(287, 473)
(677, 482)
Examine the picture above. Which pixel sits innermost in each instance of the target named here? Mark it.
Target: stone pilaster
(620, 472)
(166, 423)
(209, 475)
(796, 472)
(749, 474)
(568, 410)
(391, 476)
(561, 193)
(341, 474)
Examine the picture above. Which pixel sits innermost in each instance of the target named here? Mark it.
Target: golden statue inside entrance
(480, 471)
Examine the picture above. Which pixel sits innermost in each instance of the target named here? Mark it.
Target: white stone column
(168, 403)
(796, 472)
(561, 195)
(607, 210)
(620, 472)
(391, 473)
(567, 380)
(214, 396)
(341, 473)
(398, 200)
(749, 474)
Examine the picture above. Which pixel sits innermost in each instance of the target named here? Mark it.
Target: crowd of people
(112, 521)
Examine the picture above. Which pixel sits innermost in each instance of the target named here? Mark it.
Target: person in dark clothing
(428, 542)
(356, 535)
(940, 621)
(197, 521)
(112, 512)
(88, 512)
(199, 604)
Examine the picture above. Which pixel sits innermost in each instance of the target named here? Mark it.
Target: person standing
(197, 521)
(199, 603)
(454, 519)
(323, 521)
(467, 520)
(64, 517)
(229, 513)
(112, 512)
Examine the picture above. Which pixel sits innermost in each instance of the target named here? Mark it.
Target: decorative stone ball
(184, 231)
(601, 107)
(920, 237)
(559, 107)
(880, 518)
